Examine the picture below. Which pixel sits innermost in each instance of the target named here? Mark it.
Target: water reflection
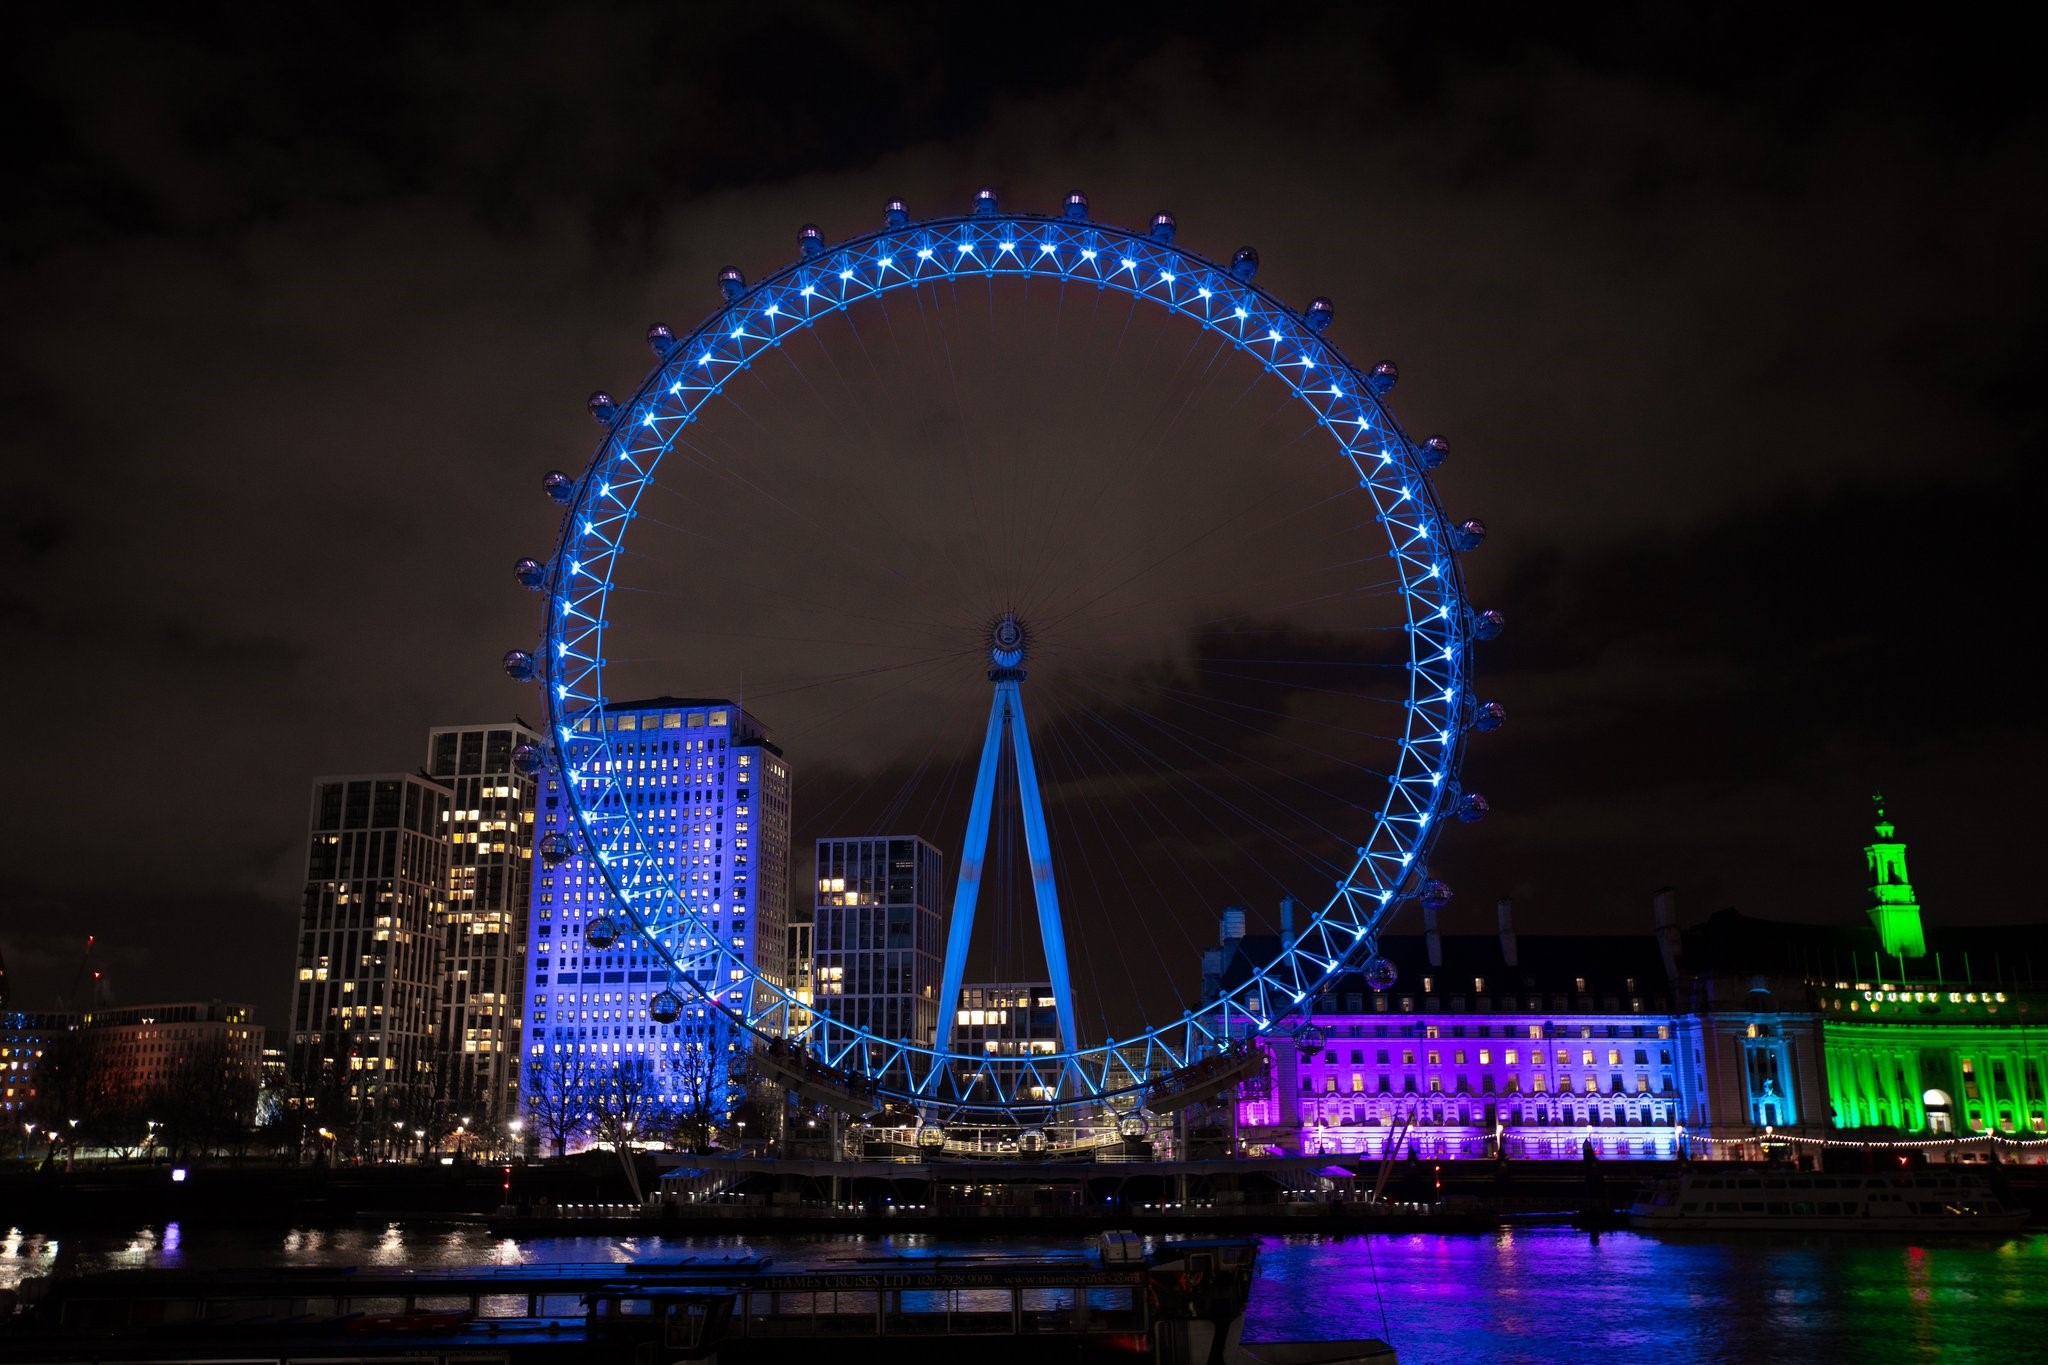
(1526, 1295)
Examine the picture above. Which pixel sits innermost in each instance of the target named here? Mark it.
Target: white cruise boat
(1930, 1200)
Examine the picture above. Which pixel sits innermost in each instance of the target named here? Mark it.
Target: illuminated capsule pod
(1435, 894)
(601, 933)
(560, 488)
(1245, 263)
(1381, 381)
(660, 340)
(1381, 974)
(1162, 226)
(810, 240)
(931, 1137)
(1488, 624)
(1472, 808)
(985, 202)
(896, 213)
(1433, 452)
(531, 573)
(1489, 717)
(1321, 312)
(1031, 1140)
(555, 848)
(528, 759)
(731, 283)
(1310, 1040)
(1469, 534)
(1132, 1126)
(603, 410)
(1077, 206)
(665, 1008)
(519, 665)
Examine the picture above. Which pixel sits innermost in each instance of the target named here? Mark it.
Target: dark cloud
(1734, 327)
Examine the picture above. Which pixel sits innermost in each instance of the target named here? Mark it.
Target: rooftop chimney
(1434, 939)
(1664, 908)
(1286, 922)
(1506, 909)
(1232, 928)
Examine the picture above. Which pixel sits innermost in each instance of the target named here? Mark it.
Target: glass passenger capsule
(601, 933)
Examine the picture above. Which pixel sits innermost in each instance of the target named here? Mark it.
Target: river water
(1524, 1295)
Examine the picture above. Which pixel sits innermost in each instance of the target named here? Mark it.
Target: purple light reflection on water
(1550, 1295)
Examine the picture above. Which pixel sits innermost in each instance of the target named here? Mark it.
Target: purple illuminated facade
(1523, 1046)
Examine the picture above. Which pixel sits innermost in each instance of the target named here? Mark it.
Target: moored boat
(1926, 1201)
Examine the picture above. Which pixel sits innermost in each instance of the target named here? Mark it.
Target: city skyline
(1666, 727)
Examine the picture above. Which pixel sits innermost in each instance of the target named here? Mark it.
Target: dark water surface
(1530, 1295)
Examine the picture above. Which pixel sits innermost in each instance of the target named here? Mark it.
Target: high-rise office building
(709, 786)
(483, 931)
(878, 943)
(1010, 1023)
(369, 952)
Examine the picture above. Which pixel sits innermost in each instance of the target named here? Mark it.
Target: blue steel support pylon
(1006, 720)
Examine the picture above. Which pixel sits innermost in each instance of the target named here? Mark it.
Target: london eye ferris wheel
(1181, 597)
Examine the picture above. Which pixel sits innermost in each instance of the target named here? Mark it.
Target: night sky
(1735, 330)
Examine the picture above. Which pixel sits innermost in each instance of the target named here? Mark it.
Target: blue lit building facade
(707, 781)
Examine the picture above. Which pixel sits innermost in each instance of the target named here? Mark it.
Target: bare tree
(209, 1101)
(624, 1106)
(555, 1102)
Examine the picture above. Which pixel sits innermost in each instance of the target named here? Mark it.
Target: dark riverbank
(590, 1193)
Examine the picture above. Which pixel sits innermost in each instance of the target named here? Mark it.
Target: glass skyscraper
(878, 940)
(369, 953)
(483, 931)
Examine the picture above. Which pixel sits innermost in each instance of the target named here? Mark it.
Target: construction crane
(88, 987)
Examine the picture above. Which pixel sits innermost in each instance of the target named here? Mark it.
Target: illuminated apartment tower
(879, 938)
(369, 954)
(483, 935)
(707, 783)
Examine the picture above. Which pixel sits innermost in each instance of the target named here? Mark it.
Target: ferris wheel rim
(1145, 266)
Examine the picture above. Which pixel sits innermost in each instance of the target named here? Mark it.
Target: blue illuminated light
(1402, 831)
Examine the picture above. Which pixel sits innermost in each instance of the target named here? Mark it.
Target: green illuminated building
(1906, 1034)
(1893, 911)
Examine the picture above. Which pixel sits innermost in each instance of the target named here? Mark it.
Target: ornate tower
(1893, 910)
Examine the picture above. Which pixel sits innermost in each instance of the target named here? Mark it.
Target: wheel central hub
(1008, 642)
